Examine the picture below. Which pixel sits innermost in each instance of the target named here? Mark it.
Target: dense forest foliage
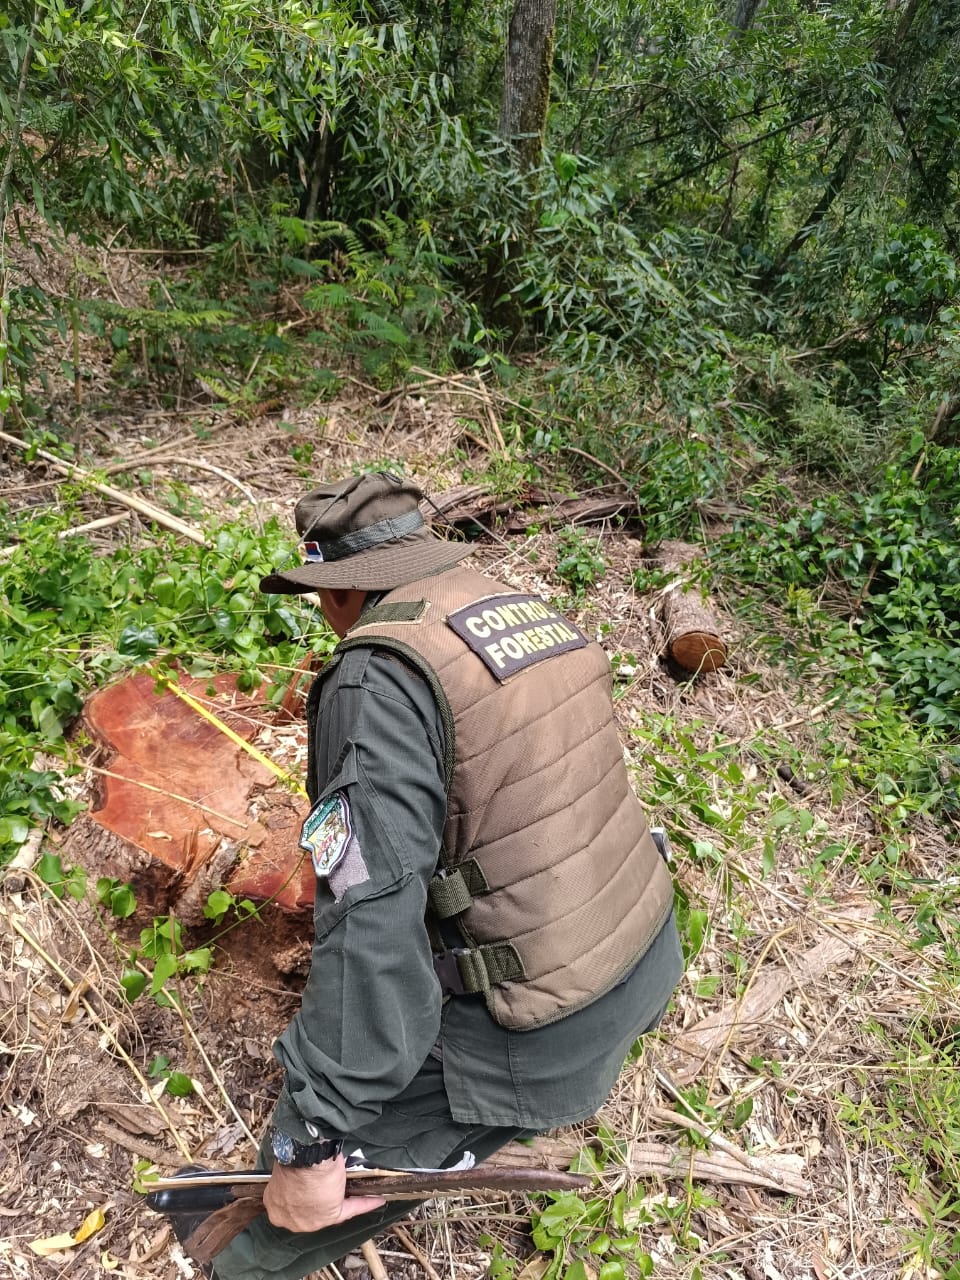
(717, 246)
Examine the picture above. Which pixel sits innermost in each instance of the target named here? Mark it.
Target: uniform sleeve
(370, 1012)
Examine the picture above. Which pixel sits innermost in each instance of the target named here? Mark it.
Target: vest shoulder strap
(420, 664)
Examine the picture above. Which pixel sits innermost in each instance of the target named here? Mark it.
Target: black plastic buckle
(448, 973)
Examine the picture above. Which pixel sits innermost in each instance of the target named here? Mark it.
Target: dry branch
(777, 1172)
(373, 1260)
(104, 522)
(414, 1250)
(699, 1042)
(140, 505)
(224, 475)
(473, 504)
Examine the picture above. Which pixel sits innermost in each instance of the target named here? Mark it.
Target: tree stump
(182, 809)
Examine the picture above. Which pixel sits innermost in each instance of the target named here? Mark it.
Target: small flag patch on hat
(313, 552)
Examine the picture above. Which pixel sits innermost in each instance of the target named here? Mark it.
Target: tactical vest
(547, 865)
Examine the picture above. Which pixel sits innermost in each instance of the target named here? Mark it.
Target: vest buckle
(447, 969)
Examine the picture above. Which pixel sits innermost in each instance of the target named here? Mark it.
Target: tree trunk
(526, 78)
(835, 184)
(318, 171)
(742, 14)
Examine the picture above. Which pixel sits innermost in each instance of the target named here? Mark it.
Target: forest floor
(768, 1099)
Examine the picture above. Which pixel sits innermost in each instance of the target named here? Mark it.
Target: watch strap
(293, 1154)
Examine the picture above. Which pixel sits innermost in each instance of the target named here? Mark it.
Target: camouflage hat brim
(389, 565)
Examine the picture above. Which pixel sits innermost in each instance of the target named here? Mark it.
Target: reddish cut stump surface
(158, 740)
(278, 869)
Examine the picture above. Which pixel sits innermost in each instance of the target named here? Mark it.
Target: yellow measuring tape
(225, 729)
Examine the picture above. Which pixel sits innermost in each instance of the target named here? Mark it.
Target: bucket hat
(364, 533)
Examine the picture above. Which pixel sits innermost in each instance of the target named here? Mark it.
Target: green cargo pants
(415, 1129)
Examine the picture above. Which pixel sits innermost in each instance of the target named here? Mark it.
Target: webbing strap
(484, 967)
(398, 611)
(348, 544)
(451, 894)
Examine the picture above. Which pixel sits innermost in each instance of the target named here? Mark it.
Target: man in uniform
(494, 923)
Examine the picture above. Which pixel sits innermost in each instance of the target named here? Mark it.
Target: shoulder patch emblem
(327, 832)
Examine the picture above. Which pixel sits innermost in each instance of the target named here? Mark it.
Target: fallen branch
(771, 1173)
(140, 505)
(808, 717)
(714, 1032)
(136, 1146)
(582, 453)
(373, 1260)
(491, 416)
(780, 1171)
(414, 1250)
(224, 475)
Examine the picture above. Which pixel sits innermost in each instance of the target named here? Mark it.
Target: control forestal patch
(515, 631)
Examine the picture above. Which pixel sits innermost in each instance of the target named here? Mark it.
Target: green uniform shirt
(372, 1011)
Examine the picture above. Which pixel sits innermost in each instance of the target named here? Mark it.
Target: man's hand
(312, 1198)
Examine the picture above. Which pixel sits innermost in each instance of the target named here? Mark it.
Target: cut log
(693, 638)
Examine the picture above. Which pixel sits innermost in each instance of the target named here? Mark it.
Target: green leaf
(75, 883)
(198, 961)
(165, 966)
(805, 821)
(138, 642)
(123, 901)
(50, 870)
(14, 830)
(696, 931)
(218, 904)
(49, 723)
(576, 1271)
(133, 983)
(180, 1085)
(741, 1114)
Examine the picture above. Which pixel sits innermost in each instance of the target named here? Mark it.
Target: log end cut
(698, 651)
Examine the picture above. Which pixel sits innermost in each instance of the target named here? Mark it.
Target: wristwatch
(292, 1154)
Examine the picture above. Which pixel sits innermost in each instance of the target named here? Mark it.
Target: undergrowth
(71, 619)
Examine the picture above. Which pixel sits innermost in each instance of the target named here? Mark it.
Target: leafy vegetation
(83, 618)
